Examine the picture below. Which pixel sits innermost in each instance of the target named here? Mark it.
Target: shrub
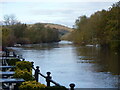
(12, 62)
(24, 65)
(24, 70)
(32, 85)
(56, 88)
(27, 76)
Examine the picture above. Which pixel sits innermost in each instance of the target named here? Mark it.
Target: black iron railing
(48, 78)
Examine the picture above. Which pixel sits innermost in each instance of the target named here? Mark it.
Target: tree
(102, 28)
(7, 38)
(10, 19)
(18, 30)
(37, 33)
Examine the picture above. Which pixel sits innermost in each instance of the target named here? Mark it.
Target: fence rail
(48, 77)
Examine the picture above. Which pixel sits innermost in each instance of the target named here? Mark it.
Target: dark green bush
(27, 76)
(32, 85)
(12, 62)
(24, 65)
(56, 88)
(24, 70)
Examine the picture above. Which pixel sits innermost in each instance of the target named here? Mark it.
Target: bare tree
(10, 19)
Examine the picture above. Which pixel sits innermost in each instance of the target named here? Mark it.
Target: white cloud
(53, 12)
(59, 0)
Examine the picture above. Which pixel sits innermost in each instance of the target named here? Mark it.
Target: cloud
(53, 12)
(58, 0)
(67, 9)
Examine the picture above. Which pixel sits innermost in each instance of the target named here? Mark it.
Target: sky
(63, 12)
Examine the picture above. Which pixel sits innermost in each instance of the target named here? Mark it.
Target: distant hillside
(57, 26)
(63, 30)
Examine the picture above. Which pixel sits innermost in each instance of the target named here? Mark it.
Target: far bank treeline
(28, 34)
(102, 27)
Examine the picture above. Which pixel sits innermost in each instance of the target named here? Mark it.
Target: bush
(32, 85)
(56, 88)
(24, 65)
(27, 76)
(12, 62)
(24, 70)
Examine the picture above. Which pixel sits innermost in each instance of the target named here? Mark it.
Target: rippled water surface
(87, 67)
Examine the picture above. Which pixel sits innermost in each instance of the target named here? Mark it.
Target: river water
(86, 66)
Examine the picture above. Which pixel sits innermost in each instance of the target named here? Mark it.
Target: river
(86, 66)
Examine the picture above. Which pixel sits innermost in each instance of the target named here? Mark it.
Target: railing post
(18, 57)
(23, 59)
(37, 73)
(48, 78)
(32, 64)
(72, 85)
(7, 53)
(14, 54)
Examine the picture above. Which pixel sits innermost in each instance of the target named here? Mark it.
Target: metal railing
(48, 78)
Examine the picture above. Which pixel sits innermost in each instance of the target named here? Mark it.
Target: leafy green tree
(7, 38)
(102, 28)
(37, 33)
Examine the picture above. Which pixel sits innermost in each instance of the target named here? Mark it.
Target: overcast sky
(63, 12)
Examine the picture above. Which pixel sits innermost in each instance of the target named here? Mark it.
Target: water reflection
(106, 60)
